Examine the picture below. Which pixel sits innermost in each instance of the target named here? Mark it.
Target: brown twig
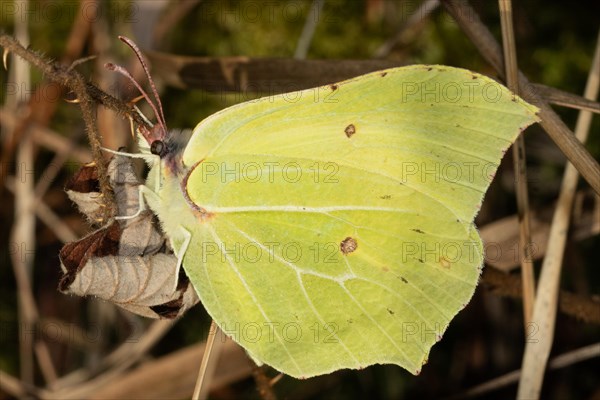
(583, 308)
(566, 99)
(127, 354)
(561, 361)
(61, 230)
(121, 108)
(544, 310)
(501, 236)
(23, 228)
(276, 75)
(210, 358)
(110, 124)
(86, 92)
(263, 383)
(19, 389)
(173, 375)
(489, 48)
(74, 81)
(23, 233)
(47, 138)
(520, 165)
(256, 75)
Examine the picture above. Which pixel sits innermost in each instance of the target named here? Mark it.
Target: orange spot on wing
(444, 262)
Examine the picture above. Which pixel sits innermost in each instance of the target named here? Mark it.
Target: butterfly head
(156, 136)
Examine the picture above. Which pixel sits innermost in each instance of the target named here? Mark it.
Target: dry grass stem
(520, 165)
(544, 312)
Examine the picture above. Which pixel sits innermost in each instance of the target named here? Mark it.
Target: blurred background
(69, 347)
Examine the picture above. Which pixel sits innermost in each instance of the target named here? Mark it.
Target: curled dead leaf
(128, 261)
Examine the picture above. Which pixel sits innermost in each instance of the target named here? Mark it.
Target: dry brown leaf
(84, 190)
(128, 261)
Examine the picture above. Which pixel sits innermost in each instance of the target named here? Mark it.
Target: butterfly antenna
(125, 73)
(138, 53)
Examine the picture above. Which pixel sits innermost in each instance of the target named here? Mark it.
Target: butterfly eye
(157, 148)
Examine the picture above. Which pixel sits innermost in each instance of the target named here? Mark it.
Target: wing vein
(251, 293)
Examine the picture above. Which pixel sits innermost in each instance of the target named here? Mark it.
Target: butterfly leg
(141, 202)
(151, 159)
(132, 155)
(187, 237)
(144, 191)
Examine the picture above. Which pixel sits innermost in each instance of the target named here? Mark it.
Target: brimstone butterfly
(333, 227)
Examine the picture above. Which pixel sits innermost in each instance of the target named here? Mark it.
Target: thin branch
(85, 92)
(127, 354)
(263, 383)
(42, 353)
(122, 109)
(210, 358)
(564, 360)
(22, 231)
(520, 165)
(48, 138)
(501, 236)
(65, 76)
(18, 388)
(276, 75)
(86, 382)
(583, 308)
(74, 81)
(61, 230)
(544, 311)
(54, 167)
(566, 99)
(173, 375)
